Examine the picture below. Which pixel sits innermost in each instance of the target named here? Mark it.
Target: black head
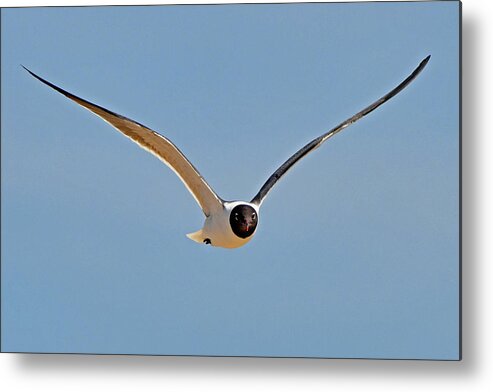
(243, 220)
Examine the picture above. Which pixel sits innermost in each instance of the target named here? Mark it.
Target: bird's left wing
(315, 143)
(157, 145)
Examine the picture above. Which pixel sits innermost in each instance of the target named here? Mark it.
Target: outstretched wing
(157, 145)
(315, 143)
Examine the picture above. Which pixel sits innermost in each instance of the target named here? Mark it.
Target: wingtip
(420, 67)
(30, 72)
(60, 90)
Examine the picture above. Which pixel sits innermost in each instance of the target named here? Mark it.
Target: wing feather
(156, 144)
(315, 143)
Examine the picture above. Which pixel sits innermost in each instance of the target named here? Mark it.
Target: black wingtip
(27, 69)
(34, 75)
(60, 90)
(422, 65)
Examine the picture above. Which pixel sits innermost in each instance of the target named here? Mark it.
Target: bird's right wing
(157, 145)
(315, 143)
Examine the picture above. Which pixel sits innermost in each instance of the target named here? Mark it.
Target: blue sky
(356, 254)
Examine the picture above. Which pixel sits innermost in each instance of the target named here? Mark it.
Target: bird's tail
(197, 236)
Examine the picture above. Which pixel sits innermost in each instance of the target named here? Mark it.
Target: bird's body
(218, 230)
(228, 224)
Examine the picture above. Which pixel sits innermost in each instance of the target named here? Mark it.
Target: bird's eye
(236, 216)
(254, 216)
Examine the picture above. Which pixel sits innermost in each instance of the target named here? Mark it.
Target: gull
(228, 224)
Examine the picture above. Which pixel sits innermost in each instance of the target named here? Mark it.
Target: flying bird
(228, 224)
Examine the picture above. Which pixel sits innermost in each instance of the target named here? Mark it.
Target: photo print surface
(309, 151)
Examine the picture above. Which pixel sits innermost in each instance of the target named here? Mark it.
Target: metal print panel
(311, 151)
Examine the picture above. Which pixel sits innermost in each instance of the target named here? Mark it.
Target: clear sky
(357, 251)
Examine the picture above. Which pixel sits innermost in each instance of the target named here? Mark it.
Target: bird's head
(243, 220)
